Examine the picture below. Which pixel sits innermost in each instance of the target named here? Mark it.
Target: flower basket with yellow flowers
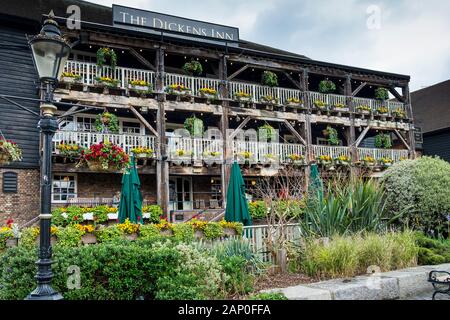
(165, 228)
(140, 86)
(342, 160)
(294, 102)
(320, 105)
(130, 230)
(297, 159)
(87, 234)
(9, 152)
(385, 162)
(242, 96)
(208, 93)
(340, 107)
(69, 150)
(178, 89)
(399, 113)
(268, 99)
(70, 77)
(107, 82)
(142, 152)
(324, 160)
(231, 229)
(383, 111)
(369, 161)
(364, 109)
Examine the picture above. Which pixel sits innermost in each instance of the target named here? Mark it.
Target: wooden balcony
(89, 71)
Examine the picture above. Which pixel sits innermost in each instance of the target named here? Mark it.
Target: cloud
(412, 39)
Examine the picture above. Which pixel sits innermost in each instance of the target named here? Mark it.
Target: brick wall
(23, 205)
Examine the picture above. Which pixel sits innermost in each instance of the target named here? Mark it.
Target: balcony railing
(333, 152)
(89, 71)
(395, 155)
(86, 139)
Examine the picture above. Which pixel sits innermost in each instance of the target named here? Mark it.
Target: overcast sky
(402, 36)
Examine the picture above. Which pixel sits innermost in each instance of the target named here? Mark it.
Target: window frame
(74, 175)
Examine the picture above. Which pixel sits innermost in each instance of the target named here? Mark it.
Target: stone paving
(427, 296)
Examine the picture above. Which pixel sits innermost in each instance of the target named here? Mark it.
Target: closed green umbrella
(130, 206)
(315, 185)
(237, 205)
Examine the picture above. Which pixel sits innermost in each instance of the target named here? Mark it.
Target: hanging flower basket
(9, 152)
(108, 122)
(104, 157)
(106, 53)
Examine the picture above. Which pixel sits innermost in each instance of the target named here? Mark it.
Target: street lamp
(50, 53)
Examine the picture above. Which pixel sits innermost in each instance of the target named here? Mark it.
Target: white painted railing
(395, 155)
(333, 152)
(194, 148)
(86, 139)
(193, 83)
(258, 236)
(260, 150)
(89, 71)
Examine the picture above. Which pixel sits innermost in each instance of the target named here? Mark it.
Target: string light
(123, 51)
(140, 50)
(90, 47)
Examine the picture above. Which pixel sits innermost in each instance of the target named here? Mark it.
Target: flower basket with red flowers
(105, 157)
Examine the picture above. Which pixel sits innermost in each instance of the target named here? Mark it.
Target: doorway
(180, 193)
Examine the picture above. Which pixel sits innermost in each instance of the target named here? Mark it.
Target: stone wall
(23, 205)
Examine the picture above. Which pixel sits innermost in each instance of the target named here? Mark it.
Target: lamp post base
(55, 296)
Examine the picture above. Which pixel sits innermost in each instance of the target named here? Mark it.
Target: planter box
(166, 233)
(295, 105)
(145, 89)
(243, 99)
(198, 234)
(230, 232)
(70, 80)
(89, 238)
(143, 156)
(208, 96)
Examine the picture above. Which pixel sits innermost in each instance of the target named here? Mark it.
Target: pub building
(188, 98)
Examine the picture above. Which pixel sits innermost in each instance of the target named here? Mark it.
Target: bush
(257, 210)
(183, 232)
(421, 188)
(432, 251)
(269, 79)
(122, 271)
(155, 213)
(351, 256)
(327, 86)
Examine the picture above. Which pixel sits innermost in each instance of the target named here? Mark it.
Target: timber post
(408, 107)
(304, 79)
(351, 133)
(224, 126)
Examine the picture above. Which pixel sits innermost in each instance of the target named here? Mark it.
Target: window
(64, 188)
(131, 128)
(85, 124)
(67, 124)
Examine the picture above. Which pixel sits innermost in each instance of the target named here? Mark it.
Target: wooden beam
(357, 90)
(402, 139)
(362, 136)
(294, 132)
(65, 114)
(238, 72)
(141, 59)
(144, 122)
(296, 83)
(396, 94)
(241, 125)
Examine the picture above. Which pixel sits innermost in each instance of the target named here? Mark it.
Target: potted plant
(231, 229)
(103, 54)
(364, 109)
(107, 82)
(140, 86)
(87, 234)
(9, 152)
(383, 141)
(212, 157)
(267, 133)
(7, 239)
(178, 90)
(340, 107)
(270, 159)
(381, 94)
(243, 97)
(106, 122)
(369, 161)
(385, 162)
(129, 230)
(320, 105)
(69, 150)
(208, 93)
(296, 159)
(195, 126)
(268, 99)
(342, 160)
(70, 77)
(324, 160)
(193, 68)
(142, 152)
(165, 228)
(383, 111)
(294, 102)
(104, 157)
(181, 156)
(399, 113)
(332, 136)
(269, 79)
(247, 156)
(327, 86)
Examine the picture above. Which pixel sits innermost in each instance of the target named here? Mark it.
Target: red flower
(75, 218)
(9, 222)
(139, 219)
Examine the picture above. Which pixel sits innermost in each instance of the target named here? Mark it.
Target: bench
(440, 281)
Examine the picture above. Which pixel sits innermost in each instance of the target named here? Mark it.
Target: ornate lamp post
(50, 53)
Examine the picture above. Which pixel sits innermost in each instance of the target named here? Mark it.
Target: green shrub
(422, 187)
(269, 78)
(149, 231)
(183, 232)
(69, 236)
(268, 296)
(327, 86)
(353, 255)
(213, 230)
(116, 271)
(432, 251)
(109, 234)
(257, 210)
(155, 213)
(100, 214)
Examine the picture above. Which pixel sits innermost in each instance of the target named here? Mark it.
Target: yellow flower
(209, 91)
(128, 227)
(325, 158)
(246, 154)
(53, 230)
(242, 94)
(343, 158)
(294, 100)
(369, 159)
(142, 83)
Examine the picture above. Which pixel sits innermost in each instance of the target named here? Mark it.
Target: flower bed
(9, 152)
